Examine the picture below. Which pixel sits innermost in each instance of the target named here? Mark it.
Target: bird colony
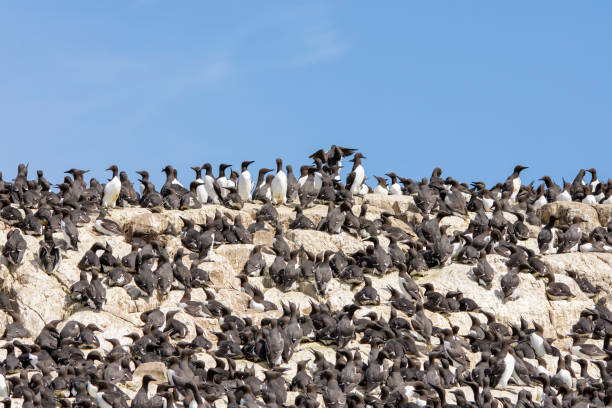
(306, 290)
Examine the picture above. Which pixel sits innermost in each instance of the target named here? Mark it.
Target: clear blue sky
(474, 88)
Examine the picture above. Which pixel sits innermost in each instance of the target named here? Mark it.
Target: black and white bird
(278, 187)
(111, 189)
(15, 248)
(106, 226)
(244, 184)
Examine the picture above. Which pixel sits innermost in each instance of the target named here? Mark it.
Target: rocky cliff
(45, 299)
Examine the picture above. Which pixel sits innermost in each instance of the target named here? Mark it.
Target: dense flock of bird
(411, 362)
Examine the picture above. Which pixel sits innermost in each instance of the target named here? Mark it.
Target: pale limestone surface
(44, 298)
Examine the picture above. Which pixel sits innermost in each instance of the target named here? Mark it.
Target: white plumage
(318, 181)
(395, 189)
(380, 190)
(225, 185)
(508, 370)
(245, 185)
(564, 196)
(516, 186)
(358, 180)
(209, 182)
(4, 391)
(363, 190)
(302, 180)
(278, 188)
(537, 344)
(540, 202)
(201, 193)
(564, 377)
(589, 199)
(111, 192)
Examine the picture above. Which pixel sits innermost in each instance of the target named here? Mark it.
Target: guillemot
(111, 189)
(278, 187)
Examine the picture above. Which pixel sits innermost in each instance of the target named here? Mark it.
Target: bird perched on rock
(111, 189)
(15, 248)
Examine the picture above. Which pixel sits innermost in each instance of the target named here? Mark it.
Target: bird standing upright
(245, 185)
(278, 187)
(111, 189)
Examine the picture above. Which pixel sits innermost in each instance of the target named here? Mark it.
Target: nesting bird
(307, 289)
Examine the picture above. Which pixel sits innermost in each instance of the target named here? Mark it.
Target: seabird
(585, 286)
(15, 248)
(563, 377)
(141, 399)
(111, 189)
(292, 185)
(95, 293)
(223, 181)
(504, 366)
(399, 302)
(570, 239)
(565, 195)
(258, 302)
(357, 175)
(513, 182)
(395, 188)
(586, 350)
(278, 187)
(262, 186)
(245, 185)
(213, 190)
(127, 194)
(307, 192)
(421, 324)
(367, 295)
(190, 200)
(106, 226)
(71, 233)
(274, 344)
(408, 286)
(546, 237)
(323, 273)
(150, 198)
(538, 342)
(49, 256)
(201, 192)
(381, 187)
(483, 271)
(333, 396)
(557, 290)
(509, 283)
(301, 221)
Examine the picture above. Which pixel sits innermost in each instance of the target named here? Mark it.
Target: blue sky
(474, 90)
